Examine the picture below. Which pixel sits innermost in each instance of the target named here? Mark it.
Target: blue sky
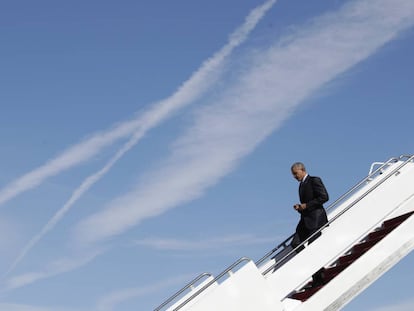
(145, 142)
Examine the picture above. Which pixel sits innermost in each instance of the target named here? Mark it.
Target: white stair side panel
(245, 290)
(364, 271)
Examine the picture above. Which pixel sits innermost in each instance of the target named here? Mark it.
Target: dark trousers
(301, 234)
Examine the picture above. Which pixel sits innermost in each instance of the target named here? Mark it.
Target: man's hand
(299, 207)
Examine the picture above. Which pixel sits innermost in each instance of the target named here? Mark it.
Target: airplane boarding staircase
(370, 228)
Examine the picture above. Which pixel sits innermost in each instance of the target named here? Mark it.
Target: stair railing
(394, 171)
(189, 285)
(198, 292)
(370, 177)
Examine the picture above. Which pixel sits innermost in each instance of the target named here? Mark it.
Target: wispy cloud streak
(202, 245)
(111, 300)
(21, 307)
(278, 80)
(69, 158)
(190, 90)
(86, 184)
(57, 267)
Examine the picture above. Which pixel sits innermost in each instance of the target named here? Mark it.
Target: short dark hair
(298, 165)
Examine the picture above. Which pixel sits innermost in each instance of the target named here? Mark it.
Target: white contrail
(279, 79)
(111, 300)
(57, 267)
(22, 307)
(222, 242)
(86, 184)
(198, 83)
(75, 155)
(191, 89)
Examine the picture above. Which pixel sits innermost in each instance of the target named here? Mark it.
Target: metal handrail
(373, 165)
(232, 266)
(362, 182)
(182, 290)
(410, 158)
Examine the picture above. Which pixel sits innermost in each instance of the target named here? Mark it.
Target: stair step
(331, 272)
(397, 220)
(305, 294)
(380, 233)
(364, 246)
(348, 258)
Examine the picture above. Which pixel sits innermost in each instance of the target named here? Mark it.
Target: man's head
(298, 170)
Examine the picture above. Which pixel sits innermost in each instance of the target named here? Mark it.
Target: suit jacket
(313, 192)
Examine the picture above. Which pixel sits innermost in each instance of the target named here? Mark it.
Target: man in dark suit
(312, 195)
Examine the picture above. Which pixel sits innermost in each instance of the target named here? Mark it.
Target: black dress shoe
(317, 283)
(318, 278)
